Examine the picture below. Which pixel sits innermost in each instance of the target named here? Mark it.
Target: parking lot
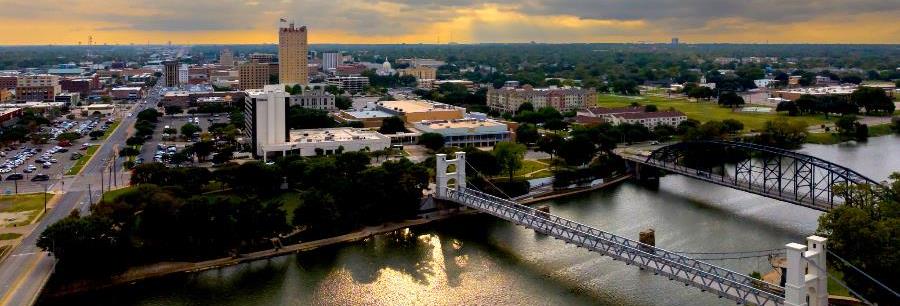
(29, 168)
(151, 148)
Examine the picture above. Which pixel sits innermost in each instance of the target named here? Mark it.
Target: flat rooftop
(417, 106)
(369, 114)
(461, 123)
(333, 135)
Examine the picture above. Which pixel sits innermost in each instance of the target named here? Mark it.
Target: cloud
(352, 21)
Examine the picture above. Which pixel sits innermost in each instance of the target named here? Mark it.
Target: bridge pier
(807, 280)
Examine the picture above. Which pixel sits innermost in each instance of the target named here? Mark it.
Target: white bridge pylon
(443, 178)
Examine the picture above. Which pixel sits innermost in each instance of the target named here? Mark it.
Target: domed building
(386, 69)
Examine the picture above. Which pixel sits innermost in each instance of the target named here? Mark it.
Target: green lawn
(529, 166)
(113, 194)
(9, 236)
(704, 111)
(23, 203)
(83, 160)
(289, 202)
(835, 288)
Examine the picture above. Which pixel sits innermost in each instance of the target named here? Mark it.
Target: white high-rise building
(264, 117)
(330, 61)
(183, 74)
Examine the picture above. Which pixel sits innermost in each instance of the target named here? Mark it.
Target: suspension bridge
(803, 285)
(775, 173)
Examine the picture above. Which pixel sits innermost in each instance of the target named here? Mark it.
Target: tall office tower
(170, 73)
(330, 60)
(226, 58)
(292, 60)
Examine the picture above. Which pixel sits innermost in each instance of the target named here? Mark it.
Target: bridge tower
(806, 283)
(443, 178)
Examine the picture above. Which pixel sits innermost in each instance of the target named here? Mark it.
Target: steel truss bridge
(771, 172)
(804, 286)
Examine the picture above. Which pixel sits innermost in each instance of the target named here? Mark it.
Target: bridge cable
(486, 179)
(729, 253)
(863, 273)
(835, 279)
(735, 257)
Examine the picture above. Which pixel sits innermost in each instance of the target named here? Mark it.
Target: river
(478, 260)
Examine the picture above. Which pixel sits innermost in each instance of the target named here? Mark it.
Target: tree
(874, 100)
(525, 107)
(866, 233)
(550, 143)
(577, 150)
(650, 108)
(70, 136)
(393, 125)
(343, 102)
(149, 114)
(806, 104)
(173, 110)
(782, 133)
(730, 99)
(509, 155)
(483, 162)
(846, 125)
(134, 141)
(128, 151)
(527, 133)
(188, 129)
(202, 149)
(305, 118)
(625, 87)
(733, 126)
(555, 124)
(96, 134)
(432, 141)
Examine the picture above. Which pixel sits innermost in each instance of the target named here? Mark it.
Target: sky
(68, 22)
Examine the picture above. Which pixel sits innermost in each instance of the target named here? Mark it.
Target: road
(25, 271)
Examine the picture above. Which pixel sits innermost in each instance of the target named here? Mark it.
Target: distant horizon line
(460, 43)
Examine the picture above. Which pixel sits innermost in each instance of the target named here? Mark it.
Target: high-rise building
(226, 58)
(183, 73)
(253, 75)
(330, 60)
(264, 117)
(292, 55)
(674, 41)
(170, 73)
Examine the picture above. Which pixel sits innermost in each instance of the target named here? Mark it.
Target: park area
(19, 210)
(706, 110)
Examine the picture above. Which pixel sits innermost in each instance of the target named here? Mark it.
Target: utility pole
(45, 197)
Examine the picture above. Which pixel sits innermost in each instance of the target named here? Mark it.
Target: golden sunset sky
(68, 22)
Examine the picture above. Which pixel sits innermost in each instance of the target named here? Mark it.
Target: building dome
(386, 66)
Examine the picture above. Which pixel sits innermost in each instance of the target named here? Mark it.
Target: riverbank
(162, 269)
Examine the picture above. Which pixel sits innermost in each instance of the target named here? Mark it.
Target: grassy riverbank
(833, 138)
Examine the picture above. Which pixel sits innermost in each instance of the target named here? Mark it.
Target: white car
(5, 170)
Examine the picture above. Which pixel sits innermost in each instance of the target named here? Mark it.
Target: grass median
(76, 168)
(705, 110)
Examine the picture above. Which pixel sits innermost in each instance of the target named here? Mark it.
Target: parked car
(40, 178)
(14, 177)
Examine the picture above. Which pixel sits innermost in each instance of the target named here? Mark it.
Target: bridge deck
(723, 282)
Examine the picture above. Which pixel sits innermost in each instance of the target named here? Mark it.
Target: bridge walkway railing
(726, 283)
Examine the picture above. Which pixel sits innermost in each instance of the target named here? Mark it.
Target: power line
(863, 273)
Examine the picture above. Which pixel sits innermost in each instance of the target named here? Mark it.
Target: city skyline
(411, 21)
